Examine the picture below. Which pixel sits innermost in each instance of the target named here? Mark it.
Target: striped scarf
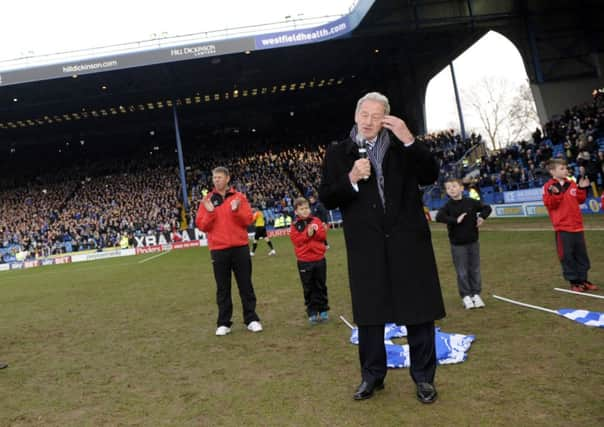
(375, 151)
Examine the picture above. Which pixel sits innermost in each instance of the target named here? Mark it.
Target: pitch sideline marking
(153, 257)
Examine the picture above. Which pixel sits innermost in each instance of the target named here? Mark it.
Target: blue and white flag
(450, 348)
(585, 317)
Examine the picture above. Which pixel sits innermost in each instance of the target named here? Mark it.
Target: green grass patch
(117, 342)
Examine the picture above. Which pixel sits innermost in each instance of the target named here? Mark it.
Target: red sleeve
(581, 194)
(204, 219)
(321, 232)
(551, 201)
(243, 215)
(298, 238)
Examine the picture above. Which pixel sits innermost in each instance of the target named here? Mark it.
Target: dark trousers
(314, 275)
(239, 262)
(572, 253)
(466, 259)
(422, 351)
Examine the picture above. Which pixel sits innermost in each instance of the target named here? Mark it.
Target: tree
(506, 112)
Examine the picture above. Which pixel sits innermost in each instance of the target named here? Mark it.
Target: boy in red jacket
(308, 236)
(562, 198)
(224, 215)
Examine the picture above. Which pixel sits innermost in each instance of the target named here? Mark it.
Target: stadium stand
(94, 204)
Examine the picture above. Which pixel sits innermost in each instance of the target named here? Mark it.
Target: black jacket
(318, 210)
(466, 231)
(391, 266)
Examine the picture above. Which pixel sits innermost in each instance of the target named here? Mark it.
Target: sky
(493, 55)
(66, 25)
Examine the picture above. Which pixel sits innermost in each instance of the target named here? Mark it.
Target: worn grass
(117, 342)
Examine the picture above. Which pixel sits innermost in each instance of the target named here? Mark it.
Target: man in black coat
(374, 178)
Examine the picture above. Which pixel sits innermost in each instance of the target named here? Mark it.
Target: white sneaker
(467, 302)
(272, 252)
(222, 331)
(478, 302)
(254, 326)
(252, 254)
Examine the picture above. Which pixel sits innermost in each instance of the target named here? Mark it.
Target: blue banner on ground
(450, 348)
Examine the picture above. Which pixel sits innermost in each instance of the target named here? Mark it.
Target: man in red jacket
(562, 198)
(224, 215)
(308, 234)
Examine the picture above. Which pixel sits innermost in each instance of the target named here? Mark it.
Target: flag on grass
(588, 318)
(584, 317)
(450, 348)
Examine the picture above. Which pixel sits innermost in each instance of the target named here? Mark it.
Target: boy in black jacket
(463, 216)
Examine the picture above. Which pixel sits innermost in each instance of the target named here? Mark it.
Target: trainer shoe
(272, 252)
(313, 319)
(467, 302)
(3, 365)
(222, 331)
(252, 254)
(588, 286)
(323, 316)
(577, 287)
(254, 326)
(478, 302)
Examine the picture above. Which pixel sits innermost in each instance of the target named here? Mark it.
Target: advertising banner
(278, 232)
(128, 60)
(328, 31)
(520, 196)
(168, 237)
(185, 245)
(148, 249)
(592, 206)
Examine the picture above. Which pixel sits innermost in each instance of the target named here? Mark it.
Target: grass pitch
(121, 342)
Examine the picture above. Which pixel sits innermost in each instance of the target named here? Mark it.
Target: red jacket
(225, 228)
(308, 248)
(563, 208)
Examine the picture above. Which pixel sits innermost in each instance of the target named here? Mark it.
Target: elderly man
(374, 177)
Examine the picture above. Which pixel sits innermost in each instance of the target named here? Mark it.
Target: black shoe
(3, 365)
(366, 389)
(426, 393)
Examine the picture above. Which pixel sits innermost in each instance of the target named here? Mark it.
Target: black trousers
(239, 262)
(572, 253)
(422, 351)
(313, 275)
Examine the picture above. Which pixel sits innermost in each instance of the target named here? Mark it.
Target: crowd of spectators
(97, 203)
(576, 136)
(94, 204)
(90, 214)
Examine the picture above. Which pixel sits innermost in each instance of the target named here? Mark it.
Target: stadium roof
(396, 48)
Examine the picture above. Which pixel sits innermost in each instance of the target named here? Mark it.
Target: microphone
(363, 147)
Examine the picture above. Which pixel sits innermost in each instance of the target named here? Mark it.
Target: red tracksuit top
(563, 208)
(225, 228)
(308, 249)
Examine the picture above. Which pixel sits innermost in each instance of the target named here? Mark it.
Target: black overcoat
(391, 266)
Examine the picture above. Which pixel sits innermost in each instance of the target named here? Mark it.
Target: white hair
(374, 96)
